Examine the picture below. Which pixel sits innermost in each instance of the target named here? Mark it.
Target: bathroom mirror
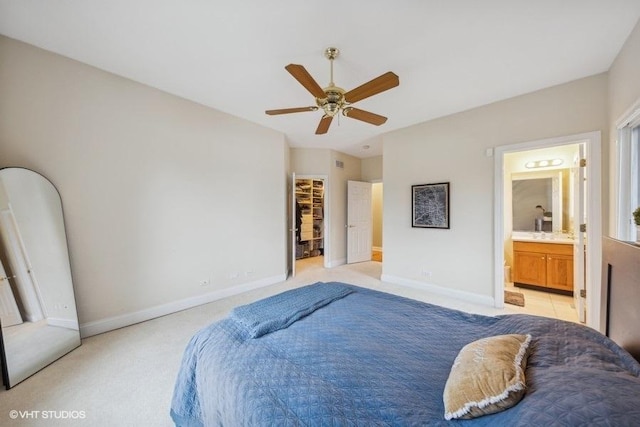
(540, 195)
(38, 318)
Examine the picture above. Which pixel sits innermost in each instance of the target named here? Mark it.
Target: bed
(337, 354)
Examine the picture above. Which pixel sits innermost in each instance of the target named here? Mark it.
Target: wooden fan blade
(365, 116)
(324, 124)
(290, 110)
(301, 75)
(379, 84)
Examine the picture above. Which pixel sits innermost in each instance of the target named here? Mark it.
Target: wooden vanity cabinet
(546, 265)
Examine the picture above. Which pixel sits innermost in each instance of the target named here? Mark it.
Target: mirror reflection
(540, 200)
(37, 304)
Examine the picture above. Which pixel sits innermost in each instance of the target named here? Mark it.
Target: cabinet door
(530, 268)
(560, 272)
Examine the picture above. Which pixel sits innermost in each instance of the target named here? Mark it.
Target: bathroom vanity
(543, 263)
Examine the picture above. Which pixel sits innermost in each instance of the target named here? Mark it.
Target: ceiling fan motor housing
(333, 102)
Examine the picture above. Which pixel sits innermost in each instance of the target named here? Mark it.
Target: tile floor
(545, 304)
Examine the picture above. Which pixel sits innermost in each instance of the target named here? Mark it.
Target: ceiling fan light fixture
(331, 108)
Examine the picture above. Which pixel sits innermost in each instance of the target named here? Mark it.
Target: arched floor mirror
(38, 318)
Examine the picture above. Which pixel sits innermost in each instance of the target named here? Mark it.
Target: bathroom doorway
(521, 248)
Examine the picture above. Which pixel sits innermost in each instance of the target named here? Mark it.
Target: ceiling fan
(333, 99)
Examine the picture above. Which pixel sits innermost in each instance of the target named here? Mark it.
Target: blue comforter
(370, 358)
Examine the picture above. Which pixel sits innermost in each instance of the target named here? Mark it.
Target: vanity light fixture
(543, 163)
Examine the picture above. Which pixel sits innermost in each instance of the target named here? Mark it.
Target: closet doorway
(309, 220)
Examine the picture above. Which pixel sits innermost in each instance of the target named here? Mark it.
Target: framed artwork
(430, 205)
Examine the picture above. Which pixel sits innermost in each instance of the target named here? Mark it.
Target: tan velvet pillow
(487, 376)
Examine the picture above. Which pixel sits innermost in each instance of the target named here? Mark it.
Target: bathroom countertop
(542, 238)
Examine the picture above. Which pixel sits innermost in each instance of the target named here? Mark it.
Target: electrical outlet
(426, 273)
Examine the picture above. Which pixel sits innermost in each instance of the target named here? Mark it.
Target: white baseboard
(116, 322)
(337, 262)
(62, 323)
(439, 290)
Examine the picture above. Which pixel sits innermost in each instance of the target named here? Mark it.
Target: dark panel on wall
(621, 275)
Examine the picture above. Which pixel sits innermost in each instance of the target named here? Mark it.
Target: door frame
(593, 153)
(291, 225)
(579, 248)
(327, 217)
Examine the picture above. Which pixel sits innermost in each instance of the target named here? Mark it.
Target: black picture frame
(430, 205)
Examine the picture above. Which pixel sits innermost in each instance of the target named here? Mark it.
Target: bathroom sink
(527, 236)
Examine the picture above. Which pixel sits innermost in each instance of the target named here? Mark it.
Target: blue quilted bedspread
(370, 358)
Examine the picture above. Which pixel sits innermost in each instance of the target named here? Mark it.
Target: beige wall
(311, 161)
(372, 169)
(452, 149)
(624, 84)
(159, 193)
(624, 91)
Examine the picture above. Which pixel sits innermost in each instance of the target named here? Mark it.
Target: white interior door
(359, 222)
(579, 248)
(9, 312)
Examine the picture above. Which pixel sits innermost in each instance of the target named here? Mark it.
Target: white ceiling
(450, 55)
